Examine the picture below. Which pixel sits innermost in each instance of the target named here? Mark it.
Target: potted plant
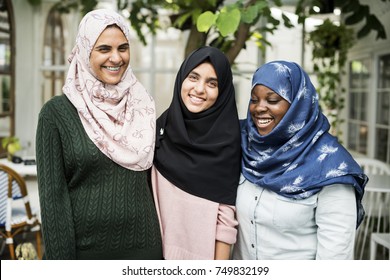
(331, 43)
(11, 145)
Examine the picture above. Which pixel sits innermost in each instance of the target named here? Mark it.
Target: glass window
(53, 58)
(382, 124)
(7, 98)
(357, 112)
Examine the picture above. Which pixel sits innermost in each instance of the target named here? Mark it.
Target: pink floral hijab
(119, 119)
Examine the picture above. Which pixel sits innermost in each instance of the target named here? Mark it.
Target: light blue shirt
(274, 227)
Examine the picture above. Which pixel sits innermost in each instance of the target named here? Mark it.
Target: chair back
(12, 187)
(15, 219)
(373, 166)
(376, 205)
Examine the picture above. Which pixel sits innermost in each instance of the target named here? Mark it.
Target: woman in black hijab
(197, 160)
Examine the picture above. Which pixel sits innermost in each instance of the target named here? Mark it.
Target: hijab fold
(299, 156)
(200, 152)
(119, 119)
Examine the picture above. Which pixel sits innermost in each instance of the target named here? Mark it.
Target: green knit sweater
(91, 207)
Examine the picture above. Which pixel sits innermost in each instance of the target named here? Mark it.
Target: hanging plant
(331, 44)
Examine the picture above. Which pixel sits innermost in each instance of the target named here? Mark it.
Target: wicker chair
(16, 216)
(375, 228)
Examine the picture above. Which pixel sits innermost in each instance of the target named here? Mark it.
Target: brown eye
(213, 84)
(192, 77)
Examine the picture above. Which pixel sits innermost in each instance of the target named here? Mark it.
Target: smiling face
(267, 108)
(110, 55)
(199, 90)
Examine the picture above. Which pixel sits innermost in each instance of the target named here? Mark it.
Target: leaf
(205, 21)
(227, 22)
(250, 14)
(287, 21)
(364, 31)
(182, 19)
(357, 16)
(377, 25)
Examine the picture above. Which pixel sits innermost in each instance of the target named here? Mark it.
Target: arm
(336, 221)
(226, 231)
(222, 250)
(56, 213)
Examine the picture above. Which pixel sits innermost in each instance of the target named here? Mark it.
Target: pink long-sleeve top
(190, 225)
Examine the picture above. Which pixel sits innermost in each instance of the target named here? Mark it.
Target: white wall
(29, 30)
(26, 72)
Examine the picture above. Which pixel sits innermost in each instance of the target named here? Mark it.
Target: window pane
(352, 137)
(5, 98)
(384, 72)
(383, 112)
(353, 105)
(5, 127)
(382, 140)
(359, 79)
(363, 135)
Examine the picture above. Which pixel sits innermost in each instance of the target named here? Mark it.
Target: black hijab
(200, 152)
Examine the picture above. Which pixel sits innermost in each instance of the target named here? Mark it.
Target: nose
(115, 57)
(199, 87)
(261, 106)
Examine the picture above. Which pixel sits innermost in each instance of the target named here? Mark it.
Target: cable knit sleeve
(226, 224)
(56, 213)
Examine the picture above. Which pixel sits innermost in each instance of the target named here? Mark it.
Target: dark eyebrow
(212, 79)
(194, 73)
(208, 80)
(104, 46)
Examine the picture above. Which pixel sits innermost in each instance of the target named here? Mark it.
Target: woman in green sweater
(95, 144)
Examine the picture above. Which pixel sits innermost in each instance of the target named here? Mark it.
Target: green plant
(330, 44)
(11, 144)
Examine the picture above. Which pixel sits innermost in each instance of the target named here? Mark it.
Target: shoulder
(56, 103)
(342, 195)
(338, 190)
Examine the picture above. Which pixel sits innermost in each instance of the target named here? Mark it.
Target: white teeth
(262, 121)
(196, 99)
(112, 68)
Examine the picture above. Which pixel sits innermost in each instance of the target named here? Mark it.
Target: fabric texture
(91, 207)
(299, 156)
(273, 227)
(119, 119)
(200, 152)
(190, 225)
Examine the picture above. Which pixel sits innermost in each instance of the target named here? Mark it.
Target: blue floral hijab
(299, 156)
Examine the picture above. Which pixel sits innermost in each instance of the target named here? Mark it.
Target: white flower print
(294, 127)
(318, 134)
(292, 167)
(294, 187)
(326, 150)
(283, 92)
(340, 171)
(302, 93)
(280, 68)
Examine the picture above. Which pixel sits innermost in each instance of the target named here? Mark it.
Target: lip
(112, 68)
(196, 99)
(263, 122)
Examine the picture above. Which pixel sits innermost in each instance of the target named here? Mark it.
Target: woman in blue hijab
(300, 191)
